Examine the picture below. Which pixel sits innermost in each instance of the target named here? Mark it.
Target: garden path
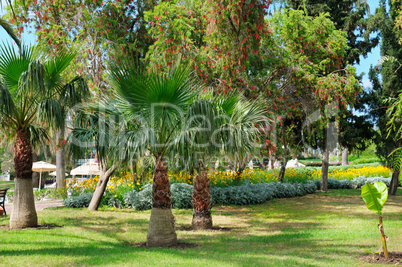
(39, 205)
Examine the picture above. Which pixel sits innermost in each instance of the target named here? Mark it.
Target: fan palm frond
(160, 100)
(13, 64)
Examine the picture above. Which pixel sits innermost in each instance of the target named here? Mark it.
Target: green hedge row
(245, 194)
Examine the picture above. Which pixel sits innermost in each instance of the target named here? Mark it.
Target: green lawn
(6, 184)
(314, 230)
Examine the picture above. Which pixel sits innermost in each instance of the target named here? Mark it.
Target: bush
(139, 200)
(181, 195)
(80, 201)
(244, 194)
(358, 182)
(339, 184)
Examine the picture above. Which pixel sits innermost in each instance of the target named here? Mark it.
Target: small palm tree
(225, 123)
(159, 103)
(94, 129)
(26, 101)
(197, 145)
(240, 130)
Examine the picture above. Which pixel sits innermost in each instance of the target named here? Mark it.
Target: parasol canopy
(89, 168)
(41, 166)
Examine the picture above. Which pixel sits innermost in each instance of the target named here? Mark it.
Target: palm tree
(241, 129)
(224, 124)
(159, 103)
(26, 100)
(196, 146)
(92, 129)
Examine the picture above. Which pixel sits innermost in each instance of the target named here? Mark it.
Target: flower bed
(124, 191)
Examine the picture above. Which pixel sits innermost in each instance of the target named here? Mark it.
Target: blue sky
(364, 66)
(373, 57)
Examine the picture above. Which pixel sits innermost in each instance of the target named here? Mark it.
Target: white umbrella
(42, 166)
(89, 168)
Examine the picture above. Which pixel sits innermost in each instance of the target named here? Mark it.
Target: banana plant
(375, 195)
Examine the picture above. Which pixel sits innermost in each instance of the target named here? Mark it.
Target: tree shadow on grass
(111, 245)
(115, 253)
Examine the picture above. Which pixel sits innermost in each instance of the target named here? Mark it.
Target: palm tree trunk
(201, 200)
(24, 213)
(324, 170)
(101, 186)
(161, 232)
(60, 161)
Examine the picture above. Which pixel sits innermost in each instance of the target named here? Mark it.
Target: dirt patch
(47, 226)
(39, 227)
(213, 229)
(394, 258)
(180, 245)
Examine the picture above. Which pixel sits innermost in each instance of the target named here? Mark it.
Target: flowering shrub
(351, 173)
(292, 175)
(116, 188)
(123, 191)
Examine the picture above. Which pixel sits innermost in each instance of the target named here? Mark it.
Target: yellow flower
(112, 208)
(115, 195)
(139, 188)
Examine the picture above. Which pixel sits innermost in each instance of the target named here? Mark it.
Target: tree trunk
(394, 183)
(201, 200)
(345, 156)
(134, 170)
(161, 232)
(60, 160)
(35, 175)
(294, 154)
(101, 186)
(324, 170)
(281, 174)
(239, 172)
(24, 213)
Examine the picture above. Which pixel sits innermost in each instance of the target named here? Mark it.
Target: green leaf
(9, 29)
(375, 195)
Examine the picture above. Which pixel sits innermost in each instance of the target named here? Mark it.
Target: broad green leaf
(375, 195)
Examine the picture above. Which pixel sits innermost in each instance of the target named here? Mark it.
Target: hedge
(245, 194)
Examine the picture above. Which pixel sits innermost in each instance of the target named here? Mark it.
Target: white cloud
(366, 83)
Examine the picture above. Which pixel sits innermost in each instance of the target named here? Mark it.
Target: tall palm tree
(26, 100)
(159, 102)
